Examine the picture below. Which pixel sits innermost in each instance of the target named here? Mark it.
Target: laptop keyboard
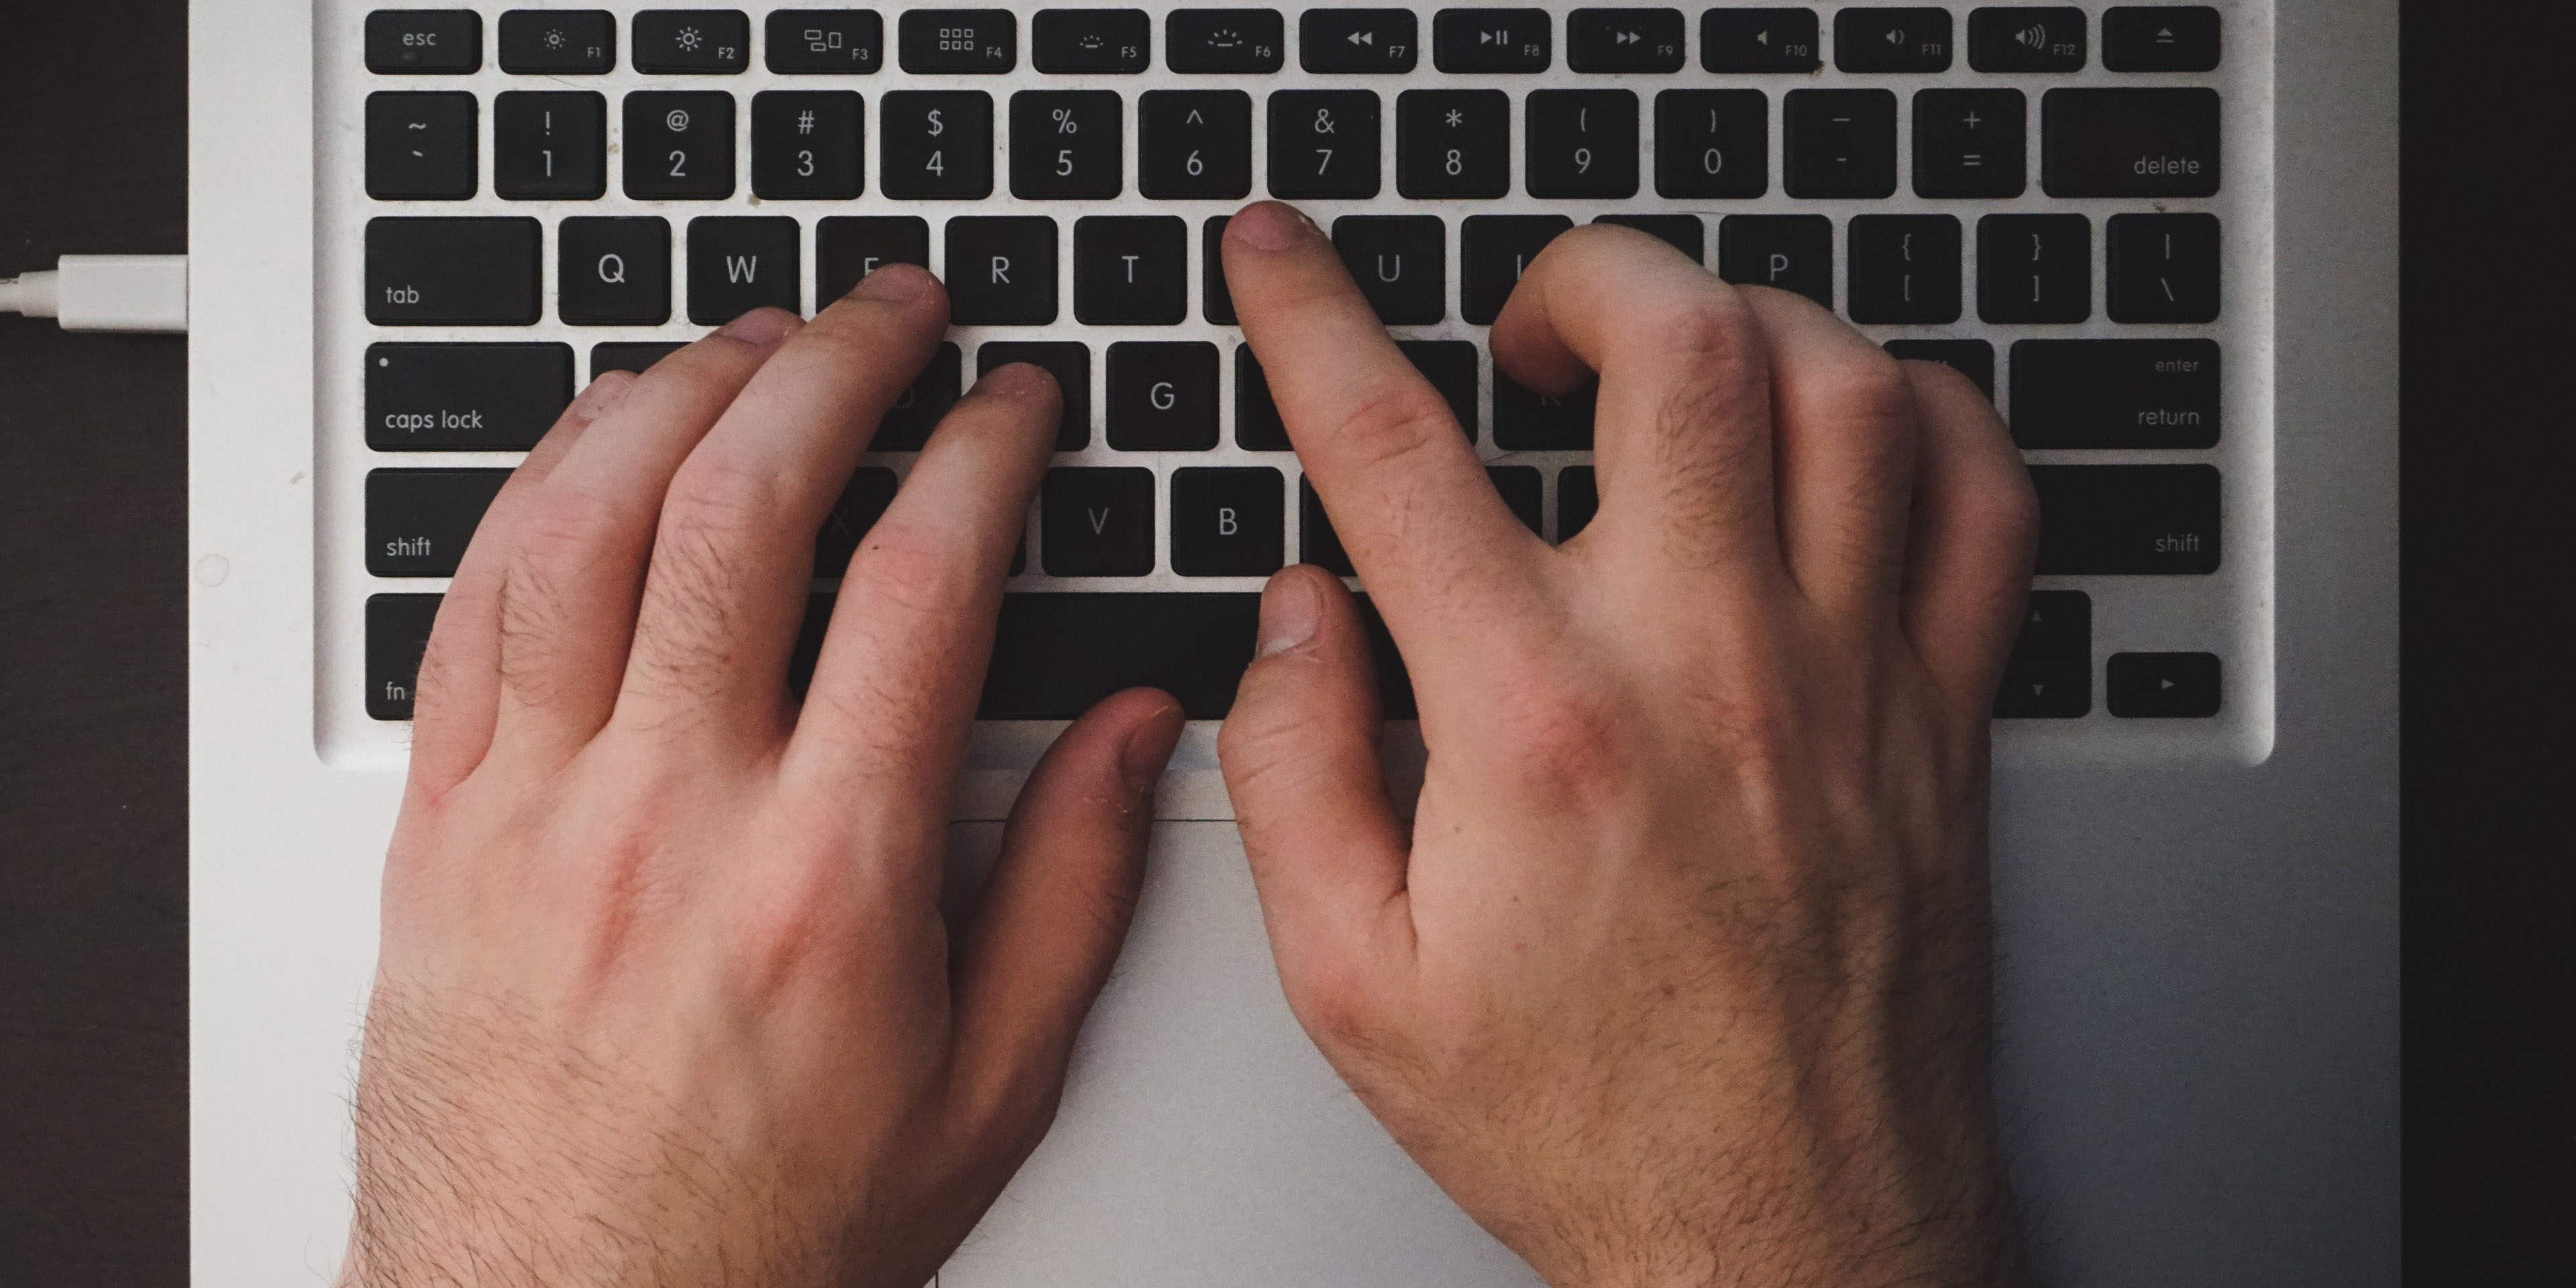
(2029, 194)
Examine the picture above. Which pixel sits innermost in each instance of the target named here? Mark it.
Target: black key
(1401, 263)
(807, 144)
(613, 271)
(2163, 686)
(1257, 427)
(465, 397)
(420, 147)
(2161, 268)
(550, 145)
(692, 42)
(1228, 522)
(816, 41)
(1069, 361)
(636, 356)
(1453, 143)
(1791, 252)
(1528, 421)
(1712, 142)
(1217, 305)
(1892, 40)
(925, 401)
(1317, 543)
(2126, 519)
(1074, 42)
(1194, 143)
(738, 263)
(2027, 40)
(1683, 233)
(1838, 143)
(418, 521)
(974, 41)
(2050, 673)
(1323, 143)
(2044, 691)
(1067, 143)
(397, 636)
(1969, 143)
(1974, 359)
(1582, 143)
(2160, 38)
(1450, 366)
(1759, 41)
(1359, 41)
(2115, 393)
(2034, 268)
(1131, 270)
(1162, 396)
(1493, 252)
(1224, 40)
(1904, 269)
(1624, 40)
(1578, 498)
(862, 502)
(1096, 523)
(1001, 270)
(1054, 655)
(679, 145)
(1519, 486)
(2129, 142)
(1492, 40)
(936, 144)
(453, 272)
(558, 42)
(425, 42)
(849, 247)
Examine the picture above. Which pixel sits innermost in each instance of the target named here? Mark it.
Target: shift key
(465, 397)
(2114, 519)
(452, 272)
(419, 521)
(2115, 393)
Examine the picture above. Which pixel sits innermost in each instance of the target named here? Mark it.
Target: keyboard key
(2034, 268)
(1624, 40)
(1224, 40)
(1790, 252)
(420, 147)
(1453, 143)
(1578, 499)
(465, 397)
(1683, 233)
(1001, 270)
(453, 272)
(2026, 40)
(1131, 270)
(2161, 268)
(1054, 655)
(1492, 40)
(1069, 361)
(1073, 42)
(2129, 142)
(1217, 305)
(418, 521)
(862, 502)
(816, 41)
(398, 629)
(1528, 421)
(738, 263)
(1493, 252)
(849, 247)
(1162, 396)
(1519, 487)
(1582, 143)
(973, 41)
(1194, 143)
(807, 144)
(612, 271)
(1067, 144)
(424, 42)
(1712, 142)
(679, 145)
(636, 356)
(924, 402)
(2160, 38)
(1892, 40)
(550, 145)
(2115, 393)
(1450, 366)
(692, 42)
(1838, 143)
(2163, 686)
(558, 42)
(1257, 427)
(1904, 269)
(1095, 523)
(1323, 143)
(1759, 41)
(1317, 543)
(1974, 359)
(1228, 522)
(1358, 41)
(1401, 263)
(2110, 519)
(1969, 143)
(2050, 673)
(936, 143)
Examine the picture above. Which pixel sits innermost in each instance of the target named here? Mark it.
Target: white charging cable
(104, 293)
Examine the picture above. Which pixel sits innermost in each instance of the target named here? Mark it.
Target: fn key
(397, 635)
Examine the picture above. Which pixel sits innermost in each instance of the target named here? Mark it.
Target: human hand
(1680, 975)
(665, 995)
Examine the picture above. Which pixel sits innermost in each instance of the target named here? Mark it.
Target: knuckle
(911, 574)
(1399, 419)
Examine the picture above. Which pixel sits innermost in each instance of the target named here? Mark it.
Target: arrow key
(1624, 40)
(2166, 686)
(1358, 41)
(2050, 676)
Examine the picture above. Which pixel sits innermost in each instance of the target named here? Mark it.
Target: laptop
(2162, 237)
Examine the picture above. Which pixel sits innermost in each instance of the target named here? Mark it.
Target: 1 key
(550, 145)
(1066, 144)
(1453, 143)
(1194, 143)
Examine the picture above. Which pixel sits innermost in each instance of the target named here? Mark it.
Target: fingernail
(894, 283)
(1290, 614)
(760, 326)
(1148, 749)
(1270, 226)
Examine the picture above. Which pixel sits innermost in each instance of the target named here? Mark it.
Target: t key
(1131, 270)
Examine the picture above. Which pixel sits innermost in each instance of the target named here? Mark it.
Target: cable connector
(104, 293)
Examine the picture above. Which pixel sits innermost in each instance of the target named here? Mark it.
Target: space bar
(1055, 654)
